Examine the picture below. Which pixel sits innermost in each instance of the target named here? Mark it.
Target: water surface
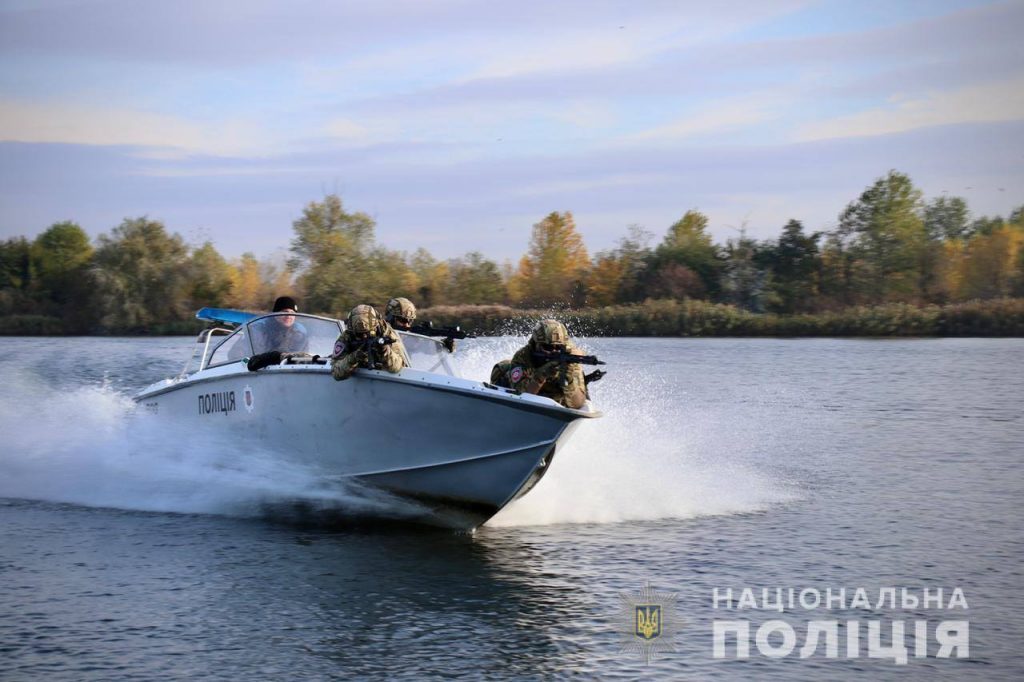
(129, 549)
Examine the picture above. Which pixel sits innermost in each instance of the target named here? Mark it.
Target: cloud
(729, 114)
(346, 130)
(164, 134)
(992, 102)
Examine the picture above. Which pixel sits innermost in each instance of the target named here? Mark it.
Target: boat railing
(201, 349)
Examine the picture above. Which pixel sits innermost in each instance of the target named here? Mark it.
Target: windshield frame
(442, 362)
(248, 335)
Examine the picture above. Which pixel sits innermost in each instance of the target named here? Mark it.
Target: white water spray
(91, 446)
(647, 458)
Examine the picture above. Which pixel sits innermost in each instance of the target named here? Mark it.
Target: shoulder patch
(516, 375)
(339, 348)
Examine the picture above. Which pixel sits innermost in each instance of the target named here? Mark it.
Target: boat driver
(528, 371)
(281, 332)
(369, 342)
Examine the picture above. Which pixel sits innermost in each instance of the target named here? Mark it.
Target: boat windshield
(285, 332)
(428, 354)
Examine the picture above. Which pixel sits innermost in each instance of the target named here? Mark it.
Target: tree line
(890, 246)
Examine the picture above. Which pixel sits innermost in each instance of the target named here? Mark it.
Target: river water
(133, 550)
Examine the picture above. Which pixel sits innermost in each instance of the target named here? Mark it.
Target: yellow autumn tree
(989, 268)
(605, 280)
(255, 284)
(949, 270)
(429, 281)
(246, 285)
(555, 267)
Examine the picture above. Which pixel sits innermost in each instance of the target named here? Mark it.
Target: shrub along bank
(1001, 317)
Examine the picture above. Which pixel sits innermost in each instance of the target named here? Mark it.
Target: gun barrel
(446, 332)
(569, 358)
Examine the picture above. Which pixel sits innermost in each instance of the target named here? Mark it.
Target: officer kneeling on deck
(368, 342)
(529, 372)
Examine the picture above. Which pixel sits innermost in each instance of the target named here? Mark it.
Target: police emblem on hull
(249, 399)
(648, 622)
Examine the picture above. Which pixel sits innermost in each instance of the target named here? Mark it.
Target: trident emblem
(648, 620)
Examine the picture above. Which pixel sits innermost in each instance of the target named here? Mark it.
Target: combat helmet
(363, 320)
(551, 333)
(400, 308)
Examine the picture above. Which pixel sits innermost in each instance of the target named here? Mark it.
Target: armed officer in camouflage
(400, 313)
(529, 372)
(368, 342)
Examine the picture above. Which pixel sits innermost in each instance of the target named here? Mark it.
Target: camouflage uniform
(350, 352)
(526, 373)
(400, 313)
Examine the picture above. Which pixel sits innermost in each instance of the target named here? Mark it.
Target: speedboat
(460, 450)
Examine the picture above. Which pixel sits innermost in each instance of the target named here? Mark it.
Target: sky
(457, 125)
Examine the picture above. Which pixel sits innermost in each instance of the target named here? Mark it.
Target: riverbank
(668, 318)
(997, 318)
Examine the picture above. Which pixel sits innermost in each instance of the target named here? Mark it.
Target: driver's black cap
(283, 302)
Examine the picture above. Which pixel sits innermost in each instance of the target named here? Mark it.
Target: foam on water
(91, 446)
(645, 459)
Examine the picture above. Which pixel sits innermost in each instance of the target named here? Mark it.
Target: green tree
(209, 278)
(946, 218)
(141, 276)
(476, 280)
(888, 236)
(61, 257)
(390, 276)
(795, 263)
(634, 257)
(687, 243)
(16, 277)
(431, 279)
(16, 266)
(331, 248)
(745, 276)
(985, 225)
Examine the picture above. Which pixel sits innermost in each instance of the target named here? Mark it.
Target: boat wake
(91, 446)
(646, 459)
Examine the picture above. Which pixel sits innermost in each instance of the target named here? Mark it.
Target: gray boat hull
(461, 450)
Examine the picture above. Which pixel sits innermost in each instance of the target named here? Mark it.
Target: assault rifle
(428, 329)
(276, 357)
(561, 356)
(371, 347)
(564, 358)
